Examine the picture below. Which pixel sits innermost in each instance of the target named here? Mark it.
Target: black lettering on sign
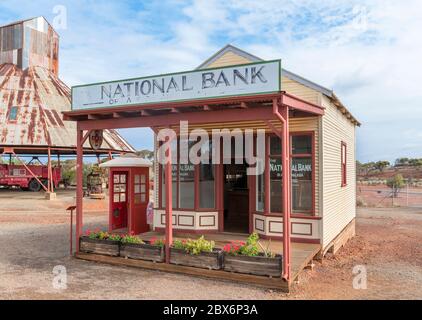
(257, 74)
(172, 85)
(208, 80)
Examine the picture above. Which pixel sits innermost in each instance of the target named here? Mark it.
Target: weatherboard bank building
(261, 111)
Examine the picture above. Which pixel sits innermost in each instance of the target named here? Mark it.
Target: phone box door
(118, 199)
(140, 196)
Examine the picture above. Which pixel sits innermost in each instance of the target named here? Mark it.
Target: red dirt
(388, 243)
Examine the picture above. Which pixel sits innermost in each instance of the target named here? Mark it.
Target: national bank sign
(247, 79)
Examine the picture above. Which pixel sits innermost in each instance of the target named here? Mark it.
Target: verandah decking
(301, 255)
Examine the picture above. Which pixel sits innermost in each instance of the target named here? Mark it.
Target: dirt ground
(34, 237)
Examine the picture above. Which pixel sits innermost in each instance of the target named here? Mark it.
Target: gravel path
(34, 241)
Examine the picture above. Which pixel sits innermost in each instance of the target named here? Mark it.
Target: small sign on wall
(96, 139)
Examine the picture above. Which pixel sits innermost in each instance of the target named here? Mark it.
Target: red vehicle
(19, 176)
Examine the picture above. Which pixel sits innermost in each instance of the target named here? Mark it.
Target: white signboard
(247, 79)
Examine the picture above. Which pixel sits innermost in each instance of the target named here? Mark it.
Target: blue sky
(368, 52)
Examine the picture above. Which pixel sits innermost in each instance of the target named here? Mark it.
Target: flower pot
(258, 265)
(97, 246)
(142, 252)
(204, 260)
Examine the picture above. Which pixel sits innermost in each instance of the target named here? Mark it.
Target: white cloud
(368, 52)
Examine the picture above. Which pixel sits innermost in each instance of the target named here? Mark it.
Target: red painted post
(284, 118)
(169, 204)
(267, 183)
(71, 209)
(286, 192)
(79, 187)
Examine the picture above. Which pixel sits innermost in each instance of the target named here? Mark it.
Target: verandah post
(286, 185)
(285, 182)
(79, 186)
(169, 203)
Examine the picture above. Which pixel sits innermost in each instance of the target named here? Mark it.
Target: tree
(395, 183)
(146, 154)
(415, 162)
(381, 165)
(402, 161)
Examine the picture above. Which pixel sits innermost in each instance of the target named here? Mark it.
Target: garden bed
(259, 265)
(99, 246)
(206, 260)
(142, 251)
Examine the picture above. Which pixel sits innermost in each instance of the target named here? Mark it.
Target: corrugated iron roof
(32, 97)
(31, 106)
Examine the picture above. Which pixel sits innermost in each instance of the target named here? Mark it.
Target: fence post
(71, 209)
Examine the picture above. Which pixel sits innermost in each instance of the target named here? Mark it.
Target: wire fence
(383, 196)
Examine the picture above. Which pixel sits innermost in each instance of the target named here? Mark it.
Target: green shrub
(131, 239)
(157, 242)
(249, 248)
(194, 247)
(97, 234)
(115, 237)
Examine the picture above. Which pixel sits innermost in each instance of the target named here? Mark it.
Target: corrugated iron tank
(32, 96)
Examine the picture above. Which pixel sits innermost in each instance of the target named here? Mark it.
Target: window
(186, 183)
(207, 180)
(140, 188)
(276, 174)
(206, 186)
(302, 184)
(13, 115)
(301, 163)
(187, 186)
(260, 190)
(119, 188)
(343, 164)
(174, 185)
(187, 179)
(302, 173)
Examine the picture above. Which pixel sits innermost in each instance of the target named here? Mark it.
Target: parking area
(34, 237)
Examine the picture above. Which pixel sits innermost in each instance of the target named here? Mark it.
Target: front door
(119, 200)
(236, 198)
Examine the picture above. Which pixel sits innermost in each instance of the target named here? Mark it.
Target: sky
(368, 52)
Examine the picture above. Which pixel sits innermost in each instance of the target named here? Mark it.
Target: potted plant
(198, 253)
(100, 242)
(252, 258)
(133, 247)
